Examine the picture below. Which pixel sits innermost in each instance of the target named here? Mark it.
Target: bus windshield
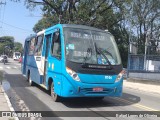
(17, 54)
(90, 46)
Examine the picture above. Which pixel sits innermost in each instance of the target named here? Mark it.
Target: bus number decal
(108, 77)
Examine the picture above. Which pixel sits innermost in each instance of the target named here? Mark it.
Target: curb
(131, 85)
(8, 101)
(152, 92)
(144, 81)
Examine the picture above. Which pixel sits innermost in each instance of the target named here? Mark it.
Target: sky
(16, 20)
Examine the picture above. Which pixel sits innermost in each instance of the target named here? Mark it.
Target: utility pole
(145, 52)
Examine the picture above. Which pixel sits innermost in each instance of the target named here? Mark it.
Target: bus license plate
(97, 89)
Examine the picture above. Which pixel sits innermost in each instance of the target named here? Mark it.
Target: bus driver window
(56, 45)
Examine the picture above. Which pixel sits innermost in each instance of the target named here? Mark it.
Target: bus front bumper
(92, 90)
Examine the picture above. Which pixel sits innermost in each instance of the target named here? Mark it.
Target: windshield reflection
(92, 47)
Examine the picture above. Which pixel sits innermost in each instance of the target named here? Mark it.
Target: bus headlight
(120, 75)
(73, 74)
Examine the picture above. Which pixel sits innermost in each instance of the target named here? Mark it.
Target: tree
(6, 44)
(144, 20)
(98, 13)
(18, 47)
(104, 14)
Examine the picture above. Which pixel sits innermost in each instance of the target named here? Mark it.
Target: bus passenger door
(55, 61)
(45, 56)
(38, 57)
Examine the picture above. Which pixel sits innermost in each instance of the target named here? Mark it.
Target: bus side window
(56, 45)
(32, 46)
(38, 47)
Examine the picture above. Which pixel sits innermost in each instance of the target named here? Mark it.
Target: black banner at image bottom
(119, 114)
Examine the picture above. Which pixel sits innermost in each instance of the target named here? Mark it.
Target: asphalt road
(34, 98)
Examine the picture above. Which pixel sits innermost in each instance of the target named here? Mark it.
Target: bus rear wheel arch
(54, 96)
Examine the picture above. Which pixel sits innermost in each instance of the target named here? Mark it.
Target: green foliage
(98, 13)
(103, 14)
(6, 44)
(18, 47)
(138, 19)
(143, 18)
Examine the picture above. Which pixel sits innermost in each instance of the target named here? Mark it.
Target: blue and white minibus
(73, 61)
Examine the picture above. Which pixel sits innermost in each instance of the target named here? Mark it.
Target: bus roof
(74, 26)
(82, 27)
(31, 36)
(63, 26)
(41, 32)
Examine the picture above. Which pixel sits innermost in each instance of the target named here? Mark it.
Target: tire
(55, 97)
(31, 83)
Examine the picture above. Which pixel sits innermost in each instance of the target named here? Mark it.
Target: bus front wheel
(54, 96)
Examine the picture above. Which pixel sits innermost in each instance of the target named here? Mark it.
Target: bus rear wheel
(54, 96)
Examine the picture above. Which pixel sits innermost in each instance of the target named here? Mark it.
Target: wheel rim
(52, 91)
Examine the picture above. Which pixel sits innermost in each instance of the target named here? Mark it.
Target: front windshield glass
(17, 54)
(92, 47)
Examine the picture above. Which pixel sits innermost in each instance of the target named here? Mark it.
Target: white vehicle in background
(16, 55)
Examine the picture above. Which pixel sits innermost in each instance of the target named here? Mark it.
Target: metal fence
(147, 61)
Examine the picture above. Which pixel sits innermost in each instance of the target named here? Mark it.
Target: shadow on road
(125, 100)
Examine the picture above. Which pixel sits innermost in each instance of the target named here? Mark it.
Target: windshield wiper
(102, 53)
(89, 51)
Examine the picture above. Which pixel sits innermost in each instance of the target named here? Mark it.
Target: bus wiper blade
(102, 53)
(89, 51)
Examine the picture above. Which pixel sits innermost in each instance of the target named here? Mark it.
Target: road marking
(15, 67)
(8, 67)
(136, 104)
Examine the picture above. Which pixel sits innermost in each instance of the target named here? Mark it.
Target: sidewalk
(4, 105)
(3, 101)
(142, 86)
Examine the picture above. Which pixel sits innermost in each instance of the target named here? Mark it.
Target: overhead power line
(2, 9)
(15, 27)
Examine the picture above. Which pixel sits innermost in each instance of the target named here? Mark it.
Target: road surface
(34, 98)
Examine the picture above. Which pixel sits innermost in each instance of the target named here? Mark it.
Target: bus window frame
(40, 45)
(53, 43)
(29, 45)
